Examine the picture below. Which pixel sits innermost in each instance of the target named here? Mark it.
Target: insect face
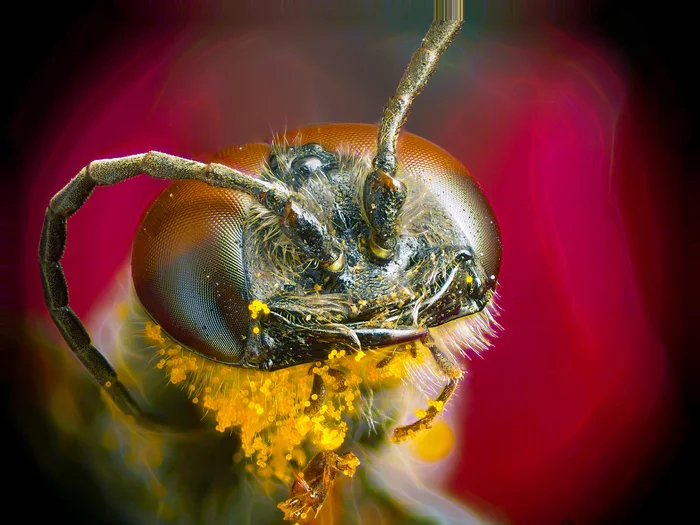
(269, 275)
(225, 277)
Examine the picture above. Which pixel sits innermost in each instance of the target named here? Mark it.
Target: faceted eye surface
(188, 268)
(467, 204)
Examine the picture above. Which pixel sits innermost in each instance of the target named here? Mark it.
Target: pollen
(469, 279)
(437, 405)
(256, 307)
(269, 409)
(256, 330)
(152, 333)
(177, 375)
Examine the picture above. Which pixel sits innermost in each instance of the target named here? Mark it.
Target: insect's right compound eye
(188, 268)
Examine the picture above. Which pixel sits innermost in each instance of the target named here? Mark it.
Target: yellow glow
(433, 444)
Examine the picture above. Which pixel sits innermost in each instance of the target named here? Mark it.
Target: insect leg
(384, 194)
(340, 378)
(385, 361)
(318, 388)
(318, 393)
(453, 373)
(396, 351)
(311, 487)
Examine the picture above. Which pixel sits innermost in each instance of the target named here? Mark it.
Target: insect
(283, 280)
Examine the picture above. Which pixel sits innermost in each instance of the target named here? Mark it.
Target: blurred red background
(577, 412)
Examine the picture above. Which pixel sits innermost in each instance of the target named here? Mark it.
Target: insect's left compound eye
(188, 272)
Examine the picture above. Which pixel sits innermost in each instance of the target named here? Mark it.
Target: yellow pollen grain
(437, 405)
(257, 307)
(177, 375)
(256, 330)
(469, 279)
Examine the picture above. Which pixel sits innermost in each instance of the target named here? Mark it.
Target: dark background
(44, 47)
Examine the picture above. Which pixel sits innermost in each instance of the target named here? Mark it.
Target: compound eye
(188, 269)
(465, 201)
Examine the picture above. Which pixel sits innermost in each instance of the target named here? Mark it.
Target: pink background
(576, 405)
